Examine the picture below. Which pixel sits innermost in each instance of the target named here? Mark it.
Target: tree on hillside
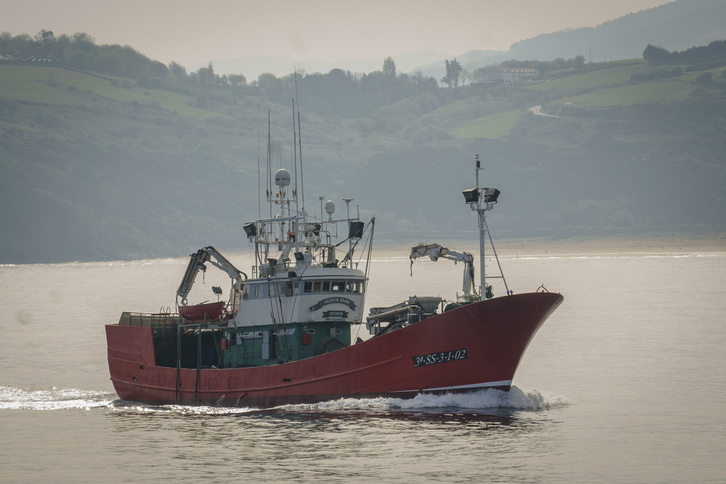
(269, 81)
(656, 55)
(713, 52)
(45, 36)
(482, 74)
(389, 67)
(82, 41)
(178, 71)
(206, 76)
(453, 72)
(237, 80)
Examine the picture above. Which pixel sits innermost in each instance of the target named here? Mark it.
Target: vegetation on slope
(100, 166)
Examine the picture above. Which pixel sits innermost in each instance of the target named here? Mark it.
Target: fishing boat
(283, 334)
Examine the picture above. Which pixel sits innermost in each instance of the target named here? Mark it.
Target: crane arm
(437, 251)
(196, 264)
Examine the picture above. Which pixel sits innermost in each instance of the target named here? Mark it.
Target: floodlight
(355, 229)
(491, 195)
(471, 195)
(250, 229)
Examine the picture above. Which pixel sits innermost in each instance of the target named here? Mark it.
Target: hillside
(97, 168)
(675, 26)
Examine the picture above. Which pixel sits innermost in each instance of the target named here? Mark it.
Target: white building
(513, 75)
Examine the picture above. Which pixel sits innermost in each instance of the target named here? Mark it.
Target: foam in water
(53, 399)
(180, 409)
(63, 399)
(514, 399)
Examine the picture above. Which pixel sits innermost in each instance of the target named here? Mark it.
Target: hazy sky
(191, 32)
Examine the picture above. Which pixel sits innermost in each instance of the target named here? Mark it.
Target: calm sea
(624, 383)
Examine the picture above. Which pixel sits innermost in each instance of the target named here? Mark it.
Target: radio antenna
(299, 140)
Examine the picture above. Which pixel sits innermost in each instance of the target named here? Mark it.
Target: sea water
(624, 383)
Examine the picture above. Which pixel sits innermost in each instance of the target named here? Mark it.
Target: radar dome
(282, 178)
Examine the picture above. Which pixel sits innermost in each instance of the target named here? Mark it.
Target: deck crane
(436, 252)
(196, 264)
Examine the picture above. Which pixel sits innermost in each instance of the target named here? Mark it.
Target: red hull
(475, 346)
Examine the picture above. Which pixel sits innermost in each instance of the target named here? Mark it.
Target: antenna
(302, 179)
(299, 140)
(269, 163)
(259, 180)
(294, 156)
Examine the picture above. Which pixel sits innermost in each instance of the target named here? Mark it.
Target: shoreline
(543, 247)
(612, 246)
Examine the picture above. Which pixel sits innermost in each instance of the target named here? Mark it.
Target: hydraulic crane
(436, 252)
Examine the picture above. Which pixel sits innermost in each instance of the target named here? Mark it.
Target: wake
(515, 399)
(490, 399)
(53, 399)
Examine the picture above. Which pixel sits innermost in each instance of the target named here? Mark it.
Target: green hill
(94, 167)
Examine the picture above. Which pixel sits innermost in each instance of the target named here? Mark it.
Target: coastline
(577, 246)
(612, 246)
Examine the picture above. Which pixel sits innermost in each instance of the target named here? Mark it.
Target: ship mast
(482, 200)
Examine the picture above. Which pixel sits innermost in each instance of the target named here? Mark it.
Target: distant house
(512, 75)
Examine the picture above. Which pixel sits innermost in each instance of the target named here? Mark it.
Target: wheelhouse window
(339, 286)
